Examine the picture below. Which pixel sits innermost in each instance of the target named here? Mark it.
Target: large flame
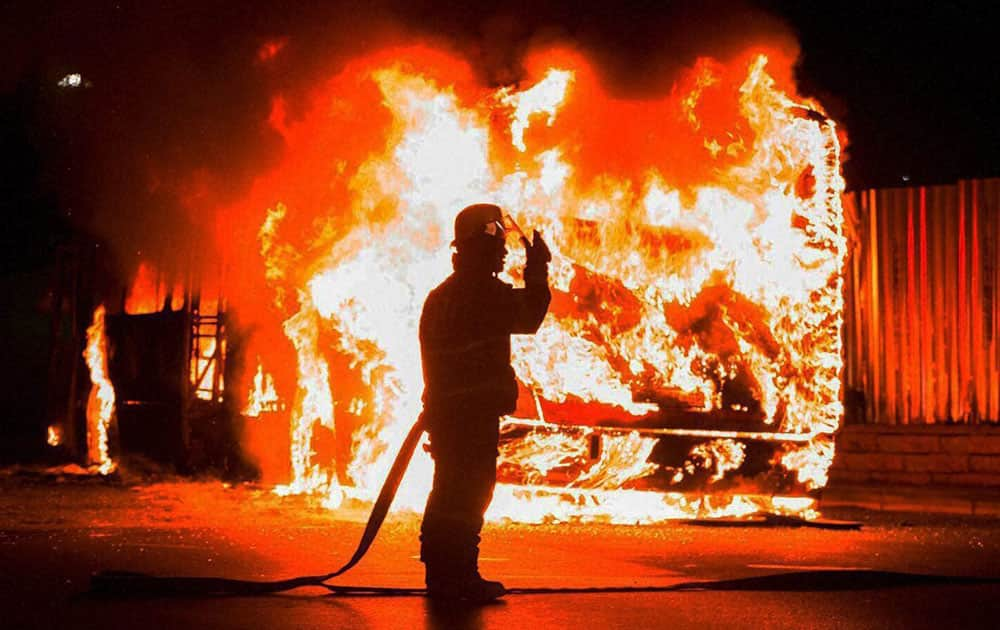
(101, 402)
(697, 245)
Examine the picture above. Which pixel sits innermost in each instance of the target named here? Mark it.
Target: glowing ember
(270, 49)
(55, 435)
(697, 258)
(101, 403)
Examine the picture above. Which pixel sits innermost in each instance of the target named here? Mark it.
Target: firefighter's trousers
(465, 452)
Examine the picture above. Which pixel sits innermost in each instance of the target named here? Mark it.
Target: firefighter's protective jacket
(465, 334)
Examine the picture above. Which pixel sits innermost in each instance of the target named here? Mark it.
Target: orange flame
(149, 292)
(54, 435)
(101, 402)
(720, 263)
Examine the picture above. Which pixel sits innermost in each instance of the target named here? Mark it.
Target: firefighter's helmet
(477, 219)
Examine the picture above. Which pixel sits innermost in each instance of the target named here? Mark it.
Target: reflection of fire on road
(697, 248)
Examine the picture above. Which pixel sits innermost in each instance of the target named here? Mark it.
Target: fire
(545, 97)
(54, 436)
(263, 397)
(720, 456)
(697, 252)
(204, 366)
(270, 49)
(314, 404)
(150, 292)
(101, 403)
(811, 462)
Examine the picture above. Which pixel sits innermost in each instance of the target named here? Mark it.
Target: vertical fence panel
(976, 349)
(940, 308)
(873, 311)
(991, 212)
(911, 366)
(922, 311)
(951, 312)
(886, 264)
(927, 374)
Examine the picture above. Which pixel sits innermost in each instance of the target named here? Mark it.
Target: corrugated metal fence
(922, 315)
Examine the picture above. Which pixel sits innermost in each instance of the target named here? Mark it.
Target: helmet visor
(495, 228)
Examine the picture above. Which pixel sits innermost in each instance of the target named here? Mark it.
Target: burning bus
(690, 364)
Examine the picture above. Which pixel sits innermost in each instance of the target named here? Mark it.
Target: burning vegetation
(697, 283)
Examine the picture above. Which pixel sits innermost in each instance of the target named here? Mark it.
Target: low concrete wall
(959, 455)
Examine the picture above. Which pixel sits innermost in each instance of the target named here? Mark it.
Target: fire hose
(125, 582)
(130, 584)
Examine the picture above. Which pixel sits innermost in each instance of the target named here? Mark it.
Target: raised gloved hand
(537, 251)
(536, 269)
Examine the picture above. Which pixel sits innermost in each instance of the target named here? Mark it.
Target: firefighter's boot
(454, 575)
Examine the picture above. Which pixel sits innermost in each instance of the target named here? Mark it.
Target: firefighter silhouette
(465, 331)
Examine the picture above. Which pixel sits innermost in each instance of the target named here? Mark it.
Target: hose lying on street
(824, 580)
(819, 580)
(129, 584)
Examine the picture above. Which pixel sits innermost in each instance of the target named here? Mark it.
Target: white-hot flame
(759, 264)
(101, 402)
(263, 396)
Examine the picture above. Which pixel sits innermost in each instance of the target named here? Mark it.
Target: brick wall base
(958, 455)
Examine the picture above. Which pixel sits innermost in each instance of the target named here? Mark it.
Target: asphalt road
(53, 536)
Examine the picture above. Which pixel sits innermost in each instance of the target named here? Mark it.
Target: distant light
(906, 178)
(73, 80)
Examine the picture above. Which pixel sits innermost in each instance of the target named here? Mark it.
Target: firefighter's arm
(532, 302)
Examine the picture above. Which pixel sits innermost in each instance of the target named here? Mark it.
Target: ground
(55, 533)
